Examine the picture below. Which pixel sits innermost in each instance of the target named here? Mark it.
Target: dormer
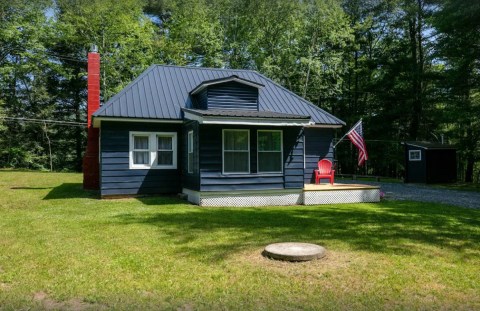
(230, 93)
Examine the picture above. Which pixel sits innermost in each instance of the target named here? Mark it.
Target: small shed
(427, 162)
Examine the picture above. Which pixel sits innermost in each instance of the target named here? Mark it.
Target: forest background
(409, 68)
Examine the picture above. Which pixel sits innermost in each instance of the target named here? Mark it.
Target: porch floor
(339, 193)
(336, 186)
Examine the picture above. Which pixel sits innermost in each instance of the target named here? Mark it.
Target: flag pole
(346, 134)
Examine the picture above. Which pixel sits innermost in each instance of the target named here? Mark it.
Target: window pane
(190, 162)
(236, 162)
(269, 161)
(236, 140)
(190, 142)
(164, 157)
(141, 157)
(164, 143)
(269, 141)
(140, 142)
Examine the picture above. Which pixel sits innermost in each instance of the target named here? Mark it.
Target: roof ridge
(204, 68)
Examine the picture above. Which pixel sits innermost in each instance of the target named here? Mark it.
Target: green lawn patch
(63, 248)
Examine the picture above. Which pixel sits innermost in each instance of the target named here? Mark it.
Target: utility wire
(42, 121)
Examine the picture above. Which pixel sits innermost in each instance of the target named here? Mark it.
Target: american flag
(356, 136)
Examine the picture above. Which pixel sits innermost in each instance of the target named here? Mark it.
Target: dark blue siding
(116, 177)
(293, 158)
(201, 101)
(191, 180)
(232, 95)
(212, 178)
(318, 145)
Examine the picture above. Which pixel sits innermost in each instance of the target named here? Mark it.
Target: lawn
(62, 248)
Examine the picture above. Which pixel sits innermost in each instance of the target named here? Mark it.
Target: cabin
(429, 162)
(222, 137)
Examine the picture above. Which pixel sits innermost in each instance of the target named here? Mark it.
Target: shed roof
(429, 145)
(161, 92)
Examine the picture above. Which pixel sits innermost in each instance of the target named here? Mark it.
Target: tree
(24, 67)
(125, 40)
(458, 30)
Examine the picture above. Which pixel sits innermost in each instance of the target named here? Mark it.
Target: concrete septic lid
(293, 251)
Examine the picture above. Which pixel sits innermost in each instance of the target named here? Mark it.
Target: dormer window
(231, 93)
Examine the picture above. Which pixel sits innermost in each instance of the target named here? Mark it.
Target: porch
(339, 193)
(311, 194)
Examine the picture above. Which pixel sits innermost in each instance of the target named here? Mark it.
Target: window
(153, 150)
(141, 150)
(164, 150)
(269, 151)
(236, 151)
(190, 151)
(414, 155)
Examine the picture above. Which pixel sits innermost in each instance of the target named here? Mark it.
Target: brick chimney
(91, 175)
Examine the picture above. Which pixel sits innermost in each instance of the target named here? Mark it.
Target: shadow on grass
(69, 191)
(403, 228)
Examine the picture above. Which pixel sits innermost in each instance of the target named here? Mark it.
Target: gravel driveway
(424, 193)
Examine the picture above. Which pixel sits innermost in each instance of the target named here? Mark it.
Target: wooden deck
(335, 186)
(339, 193)
(311, 194)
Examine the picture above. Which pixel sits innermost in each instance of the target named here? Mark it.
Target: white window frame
(223, 150)
(190, 152)
(153, 148)
(281, 152)
(416, 151)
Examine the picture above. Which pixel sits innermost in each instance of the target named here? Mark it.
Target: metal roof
(428, 145)
(161, 92)
(235, 78)
(244, 114)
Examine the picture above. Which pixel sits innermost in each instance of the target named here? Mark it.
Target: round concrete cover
(293, 251)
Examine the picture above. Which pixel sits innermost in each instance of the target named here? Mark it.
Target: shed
(428, 162)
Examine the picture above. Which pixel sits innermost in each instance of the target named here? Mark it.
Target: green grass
(62, 248)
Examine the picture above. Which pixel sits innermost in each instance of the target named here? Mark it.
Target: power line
(42, 121)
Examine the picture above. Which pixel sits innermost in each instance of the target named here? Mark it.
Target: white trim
(223, 150)
(190, 144)
(326, 126)
(97, 120)
(410, 152)
(304, 148)
(173, 135)
(153, 149)
(132, 150)
(220, 81)
(245, 120)
(281, 151)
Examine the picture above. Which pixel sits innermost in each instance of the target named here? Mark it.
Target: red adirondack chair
(324, 171)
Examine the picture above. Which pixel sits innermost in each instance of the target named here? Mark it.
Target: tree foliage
(409, 68)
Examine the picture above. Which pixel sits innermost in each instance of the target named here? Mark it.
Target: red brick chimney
(91, 175)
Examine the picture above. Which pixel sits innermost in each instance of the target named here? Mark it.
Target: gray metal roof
(161, 92)
(245, 114)
(204, 84)
(429, 145)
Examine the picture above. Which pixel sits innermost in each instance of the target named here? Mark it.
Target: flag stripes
(356, 136)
